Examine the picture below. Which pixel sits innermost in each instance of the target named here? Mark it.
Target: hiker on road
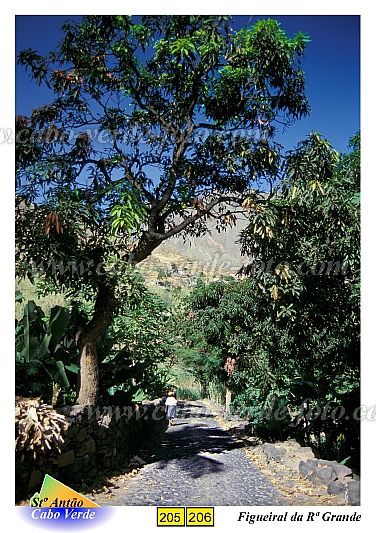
(170, 407)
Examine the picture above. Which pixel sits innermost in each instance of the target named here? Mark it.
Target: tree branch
(132, 180)
(147, 107)
(200, 214)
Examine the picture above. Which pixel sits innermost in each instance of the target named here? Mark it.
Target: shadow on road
(193, 434)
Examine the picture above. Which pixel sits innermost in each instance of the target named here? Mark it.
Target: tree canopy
(288, 334)
(155, 126)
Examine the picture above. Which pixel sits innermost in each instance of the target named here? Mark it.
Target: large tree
(154, 126)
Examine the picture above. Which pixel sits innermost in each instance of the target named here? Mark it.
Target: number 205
(171, 518)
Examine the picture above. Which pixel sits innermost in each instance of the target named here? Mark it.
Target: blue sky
(331, 66)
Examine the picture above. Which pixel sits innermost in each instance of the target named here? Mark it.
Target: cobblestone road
(198, 463)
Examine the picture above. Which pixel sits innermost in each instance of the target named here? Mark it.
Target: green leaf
(72, 368)
(59, 319)
(44, 346)
(61, 376)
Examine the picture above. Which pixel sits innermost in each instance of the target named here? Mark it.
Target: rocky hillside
(179, 262)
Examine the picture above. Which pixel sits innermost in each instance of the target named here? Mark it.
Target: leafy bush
(45, 352)
(285, 340)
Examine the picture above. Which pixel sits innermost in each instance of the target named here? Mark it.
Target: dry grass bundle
(38, 427)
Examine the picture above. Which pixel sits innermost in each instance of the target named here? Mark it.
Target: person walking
(170, 407)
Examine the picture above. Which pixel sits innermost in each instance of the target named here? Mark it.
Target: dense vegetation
(285, 337)
(129, 352)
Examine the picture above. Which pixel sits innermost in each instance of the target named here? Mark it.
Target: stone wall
(335, 479)
(97, 439)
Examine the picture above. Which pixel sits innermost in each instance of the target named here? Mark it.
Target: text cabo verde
(66, 514)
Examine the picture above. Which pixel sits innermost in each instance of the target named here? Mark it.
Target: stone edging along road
(198, 463)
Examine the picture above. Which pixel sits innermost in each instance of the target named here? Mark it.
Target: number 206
(199, 517)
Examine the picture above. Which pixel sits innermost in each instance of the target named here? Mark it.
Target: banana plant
(44, 343)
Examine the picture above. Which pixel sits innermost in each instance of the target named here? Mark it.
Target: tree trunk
(228, 400)
(88, 376)
(204, 390)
